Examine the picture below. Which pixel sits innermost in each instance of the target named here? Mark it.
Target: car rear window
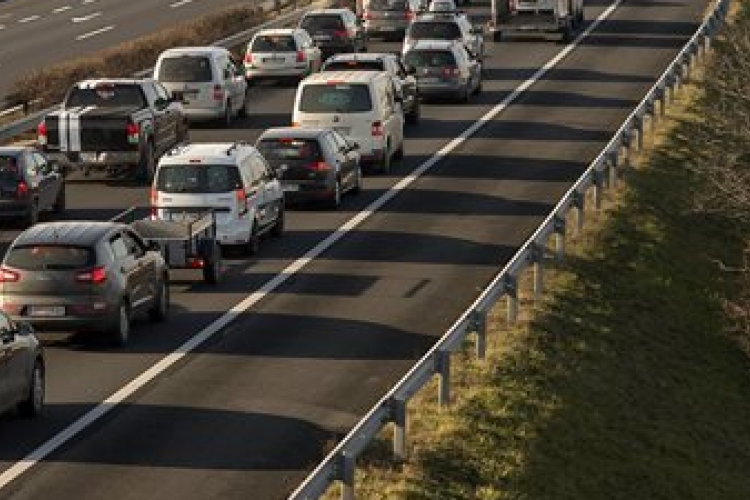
(335, 98)
(435, 30)
(354, 66)
(322, 22)
(198, 178)
(273, 43)
(10, 170)
(187, 68)
(106, 96)
(289, 149)
(429, 58)
(386, 5)
(50, 257)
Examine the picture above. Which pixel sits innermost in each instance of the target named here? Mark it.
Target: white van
(363, 106)
(233, 179)
(207, 80)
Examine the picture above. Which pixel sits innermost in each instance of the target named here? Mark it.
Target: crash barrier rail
(30, 121)
(340, 464)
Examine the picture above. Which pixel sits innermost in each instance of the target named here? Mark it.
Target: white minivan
(363, 106)
(231, 178)
(208, 81)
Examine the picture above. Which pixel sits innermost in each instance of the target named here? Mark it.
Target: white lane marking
(86, 18)
(180, 3)
(86, 2)
(62, 9)
(29, 19)
(2, 26)
(146, 377)
(95, 32)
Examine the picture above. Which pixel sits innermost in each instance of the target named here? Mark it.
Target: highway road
(37, 33)
(252, 409)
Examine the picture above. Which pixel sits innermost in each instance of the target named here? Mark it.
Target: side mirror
(24, 329)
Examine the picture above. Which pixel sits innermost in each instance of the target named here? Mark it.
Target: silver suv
(446, 26)
(444, 69)
(389, 18)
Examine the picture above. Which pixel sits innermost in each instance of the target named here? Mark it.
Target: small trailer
(542, 16)
(186, 236)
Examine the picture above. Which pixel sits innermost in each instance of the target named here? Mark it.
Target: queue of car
(349, 114)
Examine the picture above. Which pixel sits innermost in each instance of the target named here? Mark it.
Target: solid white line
(28, 19)
(181, 3)
(18, 468)
(94, 33)
(86, 18)
(62, 9)
(2, 26)
(86, 2)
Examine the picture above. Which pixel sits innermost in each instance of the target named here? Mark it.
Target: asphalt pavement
(249, 412)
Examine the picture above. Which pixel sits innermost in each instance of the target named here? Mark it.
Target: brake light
(301, 56)
(22, 190)
(450, 71)
(41, 133)
(249, 59)
(409, 15)
(154, 203)
(95, 276)
(340, 34)
(196, 263)
(133, 131)
(218, 93)
(377, 129)
(8, 276)
(295, 124)
(367, 15)
(320, 166)
(241, 197)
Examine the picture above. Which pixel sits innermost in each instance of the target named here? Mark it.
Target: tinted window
(289, 149)
(335, 98)
(185, 69)
(355, 65)
(322, 23)
(10, 170)
(435, 31)
(107, 96)
(272, 43)
(50, 257)
(387, 5)
(198, 179)
(429, 58)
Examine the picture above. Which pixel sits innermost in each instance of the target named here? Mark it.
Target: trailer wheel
(212, 262)
(497, 36)
(567, 32)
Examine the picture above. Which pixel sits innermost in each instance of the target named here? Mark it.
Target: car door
(145, 268)
(163, 138)
(393, 115)
(229, 82)
(127, 267)
(172, 115)
(50, 182)
(271, 188)
(6, 394)
(312, 52)
(408, 85)
(344, 156)
(13, 364)
(34, 179)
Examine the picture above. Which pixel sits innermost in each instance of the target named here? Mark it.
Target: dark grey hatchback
(21, 368)
(83, 275)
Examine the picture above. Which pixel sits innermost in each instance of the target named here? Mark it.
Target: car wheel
(335, 199)
(59, 206)
(158, 311)
(121, 331)
(413, 117)
(242, 113)
(399, 154)
(357, 188)
(253, 241)
(227, 120)
(478, 88)
(146, 164)
(212, 261)
(32, 217)
(34, 402)
(385, 165)
(466, 97)
(278, 227)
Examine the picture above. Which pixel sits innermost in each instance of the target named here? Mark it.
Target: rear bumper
(522, 21)
(446, 89)
(13, 208)
(270, 73)
(305, 191)
(204, 114)
(79, 315)
(386, 27)
(96, 159)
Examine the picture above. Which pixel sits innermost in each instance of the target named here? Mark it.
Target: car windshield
(434, 30)
(276, 150)
(322, 22)
(50, 257)
(335, 98)
(198, 179)
(429, 58)
(185, 68)
(10, 171)
(106, 96)
(387, 5)
(352, 65)
(273, 43)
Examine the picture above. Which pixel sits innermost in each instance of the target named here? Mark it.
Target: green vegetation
(631, 380)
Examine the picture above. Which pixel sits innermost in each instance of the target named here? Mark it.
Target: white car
(363, 106)
(206, 79)
(232, 178)
(281, 53)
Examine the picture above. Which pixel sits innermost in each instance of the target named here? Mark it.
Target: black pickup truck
(113, 124)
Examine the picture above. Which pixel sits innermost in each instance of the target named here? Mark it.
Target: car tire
(212, 263)
(34, 402)
(121, 328)
(385, 164)
(357, 188)
(478, 88)
(146, 164)
(226, 121)
(413, 117)
(466, 97)
(277, 230)
(32, 216)
(334, 202)
(160, 308)
(399, 153)
(242, 113)
(253, 241)
(59, 206)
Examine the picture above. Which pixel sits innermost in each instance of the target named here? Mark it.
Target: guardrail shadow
(641, 34)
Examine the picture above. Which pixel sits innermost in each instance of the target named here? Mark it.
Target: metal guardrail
(30, 121)
(603, 172)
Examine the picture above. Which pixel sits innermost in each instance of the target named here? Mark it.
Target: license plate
(46, 311)
(290, 188)
(89, 157)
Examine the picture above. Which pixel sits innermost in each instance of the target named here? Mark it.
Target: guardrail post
(651, 112)
(612, 168)
(560, 226)
(511, 290)
(638, 128)
(536, 256)
(443, 362)
(398, 416)
(626, 143)
(479, 326)
(579, 204)
(598, 189)
(346, 468)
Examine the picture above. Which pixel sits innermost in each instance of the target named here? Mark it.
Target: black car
(312, 164)
(21, 368)
(83, 275)
(29, 185)
(335, 31)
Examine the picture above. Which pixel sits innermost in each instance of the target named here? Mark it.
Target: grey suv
(83, 275)
(21, 368)
(445, 69)
(389, 18)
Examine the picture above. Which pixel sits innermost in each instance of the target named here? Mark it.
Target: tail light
(196, 263)
(319, 166)
(8, 276)
(450, 71)
(340, 34)
(154, 203)
(300, 56)
(409, 15)
(295, 124)
(41, 133)
(218, 93)
(377, 129)
(241, 197)
(367, 15)
(133, 131)
(22, 190)
(95, 276)
(249, 59)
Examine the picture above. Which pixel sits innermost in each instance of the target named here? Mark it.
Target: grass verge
(623, 384)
